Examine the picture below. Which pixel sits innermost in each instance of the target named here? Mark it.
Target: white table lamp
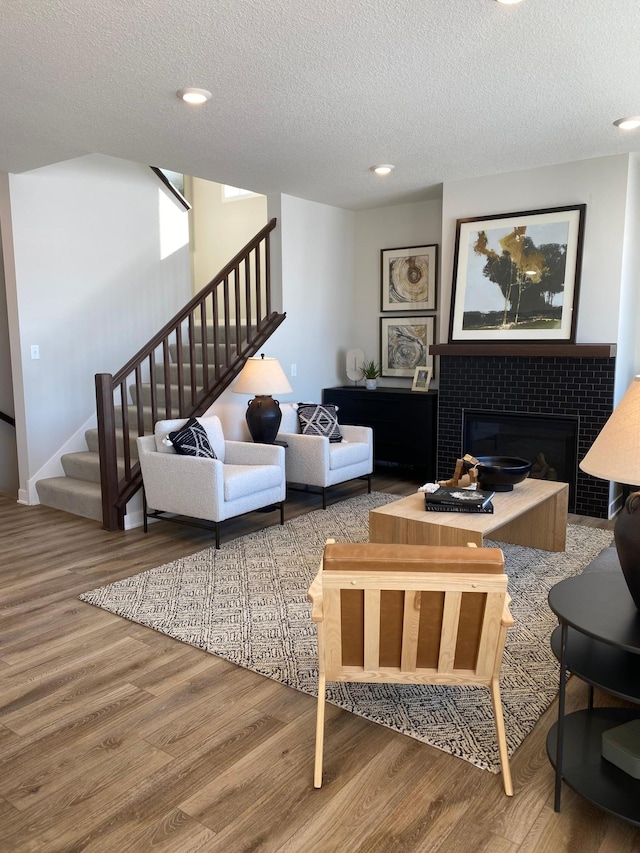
(263, 377)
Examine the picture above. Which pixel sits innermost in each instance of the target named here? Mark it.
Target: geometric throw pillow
(316, 419)
(192, 440)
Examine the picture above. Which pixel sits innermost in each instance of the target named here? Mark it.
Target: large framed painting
(404, 344)
(516, 276)
(408, 278)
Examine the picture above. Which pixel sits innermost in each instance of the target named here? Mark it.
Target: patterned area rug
(247, 603)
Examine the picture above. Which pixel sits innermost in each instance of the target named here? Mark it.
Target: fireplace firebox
(548, 442)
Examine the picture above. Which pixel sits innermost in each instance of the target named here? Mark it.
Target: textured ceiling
(307, 95)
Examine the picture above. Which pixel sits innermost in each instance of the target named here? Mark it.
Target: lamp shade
(262, 377)
(615, 454)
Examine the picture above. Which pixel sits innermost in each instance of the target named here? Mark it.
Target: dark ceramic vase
(263, 419)
(627, 538)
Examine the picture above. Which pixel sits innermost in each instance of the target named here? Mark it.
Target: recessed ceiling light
(509, 2)
(382, 169)
(628, 123)
(194, 96)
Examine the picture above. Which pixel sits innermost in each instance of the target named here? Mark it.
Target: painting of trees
(529, 276)
(516, 276)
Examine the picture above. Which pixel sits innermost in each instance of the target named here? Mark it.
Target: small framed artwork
(421, 379)
(408, 278)
(516, 276)
(404, 344)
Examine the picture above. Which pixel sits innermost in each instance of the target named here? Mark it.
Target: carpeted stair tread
(70, 495)
(197, 332)
(132, 412)
(91, 437)
(145, 394)
(85, 465)
(199, 352)
(186, 374)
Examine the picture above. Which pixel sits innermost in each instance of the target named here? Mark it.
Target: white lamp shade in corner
(261, 377)
(615, 454)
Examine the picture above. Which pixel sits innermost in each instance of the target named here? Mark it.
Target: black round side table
(597, 640)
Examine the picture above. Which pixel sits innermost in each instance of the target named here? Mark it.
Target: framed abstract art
(408, 278)
(404, 344)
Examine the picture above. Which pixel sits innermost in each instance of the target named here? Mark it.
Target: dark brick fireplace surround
(574, 380)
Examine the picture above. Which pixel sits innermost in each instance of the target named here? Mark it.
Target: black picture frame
(409, 278)
(516, 276)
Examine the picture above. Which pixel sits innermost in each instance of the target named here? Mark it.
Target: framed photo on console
(408, 278)
(421, 379)
(404, 344)
(516, 276)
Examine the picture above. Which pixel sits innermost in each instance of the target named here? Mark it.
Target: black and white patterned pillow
(315, 419)
(192, 440)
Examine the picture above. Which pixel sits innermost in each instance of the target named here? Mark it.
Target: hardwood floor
(116, 738)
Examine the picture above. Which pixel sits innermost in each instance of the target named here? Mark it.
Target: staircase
(179, 373)
(79, 491)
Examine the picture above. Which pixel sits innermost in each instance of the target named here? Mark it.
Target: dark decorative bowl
(500, 473)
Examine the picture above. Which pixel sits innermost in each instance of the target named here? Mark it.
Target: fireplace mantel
(543, 350)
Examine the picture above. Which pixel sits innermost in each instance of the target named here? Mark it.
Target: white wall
(629, 311)
(89, 289)
(601, 184)
(219, 229)
(8, 447)
(313, 246)
(393, 227)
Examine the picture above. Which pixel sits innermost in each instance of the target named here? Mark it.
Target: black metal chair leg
(217, 529)
(324, 498)
(281, 512)
(145, 522)
(368, 484)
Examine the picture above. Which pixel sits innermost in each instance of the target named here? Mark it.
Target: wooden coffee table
(533, 514)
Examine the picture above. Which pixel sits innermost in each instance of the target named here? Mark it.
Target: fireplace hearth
(574, 390)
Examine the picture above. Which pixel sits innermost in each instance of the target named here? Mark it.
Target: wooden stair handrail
(236, 303)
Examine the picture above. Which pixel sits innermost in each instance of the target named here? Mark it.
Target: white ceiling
(307, 94)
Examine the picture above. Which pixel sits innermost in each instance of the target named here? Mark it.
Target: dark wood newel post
(111, 517)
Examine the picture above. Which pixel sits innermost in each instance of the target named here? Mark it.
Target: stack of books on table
(451, 499)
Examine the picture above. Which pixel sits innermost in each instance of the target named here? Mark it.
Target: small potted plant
(370, 372)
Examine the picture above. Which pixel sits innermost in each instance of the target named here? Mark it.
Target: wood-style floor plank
(114, 737)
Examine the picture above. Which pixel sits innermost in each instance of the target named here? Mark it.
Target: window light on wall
(230, 193)
(173, 226)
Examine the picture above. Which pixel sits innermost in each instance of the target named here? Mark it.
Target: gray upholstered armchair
(243, 476)
(317, 460)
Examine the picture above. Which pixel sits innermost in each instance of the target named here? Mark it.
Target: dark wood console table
(404, 423)
(598, 640)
